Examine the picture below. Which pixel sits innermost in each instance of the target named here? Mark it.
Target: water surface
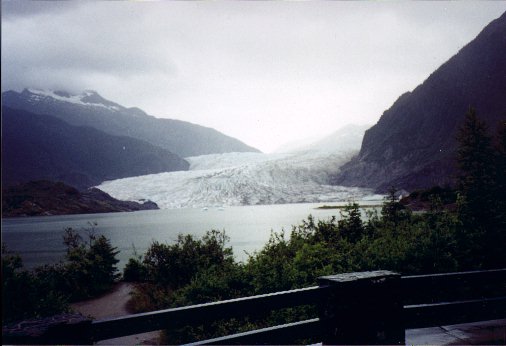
(39, 239)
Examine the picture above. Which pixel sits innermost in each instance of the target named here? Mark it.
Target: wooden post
(362, 308)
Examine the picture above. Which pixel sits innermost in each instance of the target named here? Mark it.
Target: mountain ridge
(36, 146)
(414, 145)
(347, 137)
(180, 137)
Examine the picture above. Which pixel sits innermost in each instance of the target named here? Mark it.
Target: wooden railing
(439, 299)
(353, 308)
(210, 312)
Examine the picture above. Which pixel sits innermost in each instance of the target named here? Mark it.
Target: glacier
(235, 179)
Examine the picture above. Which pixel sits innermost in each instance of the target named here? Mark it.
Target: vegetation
(89, 269)
(481, 204)
(438, 240)
(420, 200)
(197, 270)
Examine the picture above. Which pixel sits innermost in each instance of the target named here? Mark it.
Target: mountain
(347, 138)
(39, 198)
(413, 145)
(91, 109)
(38, 147)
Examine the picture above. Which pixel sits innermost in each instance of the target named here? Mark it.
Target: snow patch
(38, 95)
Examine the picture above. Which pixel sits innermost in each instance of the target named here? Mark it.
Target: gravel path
(113, 304)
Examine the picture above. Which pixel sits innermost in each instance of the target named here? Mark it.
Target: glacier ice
(233, 179)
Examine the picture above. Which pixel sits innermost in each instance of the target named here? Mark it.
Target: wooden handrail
(379, 303)
(415, 288)
(279, 335)
(433, 288)
(445, 313)
(202, 313)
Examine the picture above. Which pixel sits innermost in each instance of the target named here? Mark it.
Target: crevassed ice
(241, 179)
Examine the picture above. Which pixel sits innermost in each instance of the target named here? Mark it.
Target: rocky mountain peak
(86, 98)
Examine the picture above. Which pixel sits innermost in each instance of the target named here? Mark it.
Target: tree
(500, 190)
(478, 206)
(475, 160)
(135, 270)
(350, 225)
(392, 211)
(28, 294)
(176, 265)
(90, 266)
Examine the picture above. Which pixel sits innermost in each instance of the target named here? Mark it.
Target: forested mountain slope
(38, 147)
(91, 109)
(413, 145)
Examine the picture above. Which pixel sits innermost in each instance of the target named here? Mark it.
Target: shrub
(90, 266)
(89, 269)
(28, 294)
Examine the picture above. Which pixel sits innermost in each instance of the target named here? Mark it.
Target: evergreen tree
(475, 159)
(350, 225)
(393, 212)
(500, 190)
(499, 236)
(90, 265)
(477, 184)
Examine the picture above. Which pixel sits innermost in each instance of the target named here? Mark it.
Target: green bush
(89, 269)
(90, 266)
(27, 294)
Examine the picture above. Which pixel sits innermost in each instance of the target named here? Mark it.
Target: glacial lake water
(38, 240)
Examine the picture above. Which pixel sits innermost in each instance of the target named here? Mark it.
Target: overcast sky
(264, 72)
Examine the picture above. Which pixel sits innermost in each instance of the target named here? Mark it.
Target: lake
(39, 239)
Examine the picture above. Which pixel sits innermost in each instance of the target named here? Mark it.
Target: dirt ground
(113, 304)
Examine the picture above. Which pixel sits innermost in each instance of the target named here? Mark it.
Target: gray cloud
(265, 72)
(27, 8)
